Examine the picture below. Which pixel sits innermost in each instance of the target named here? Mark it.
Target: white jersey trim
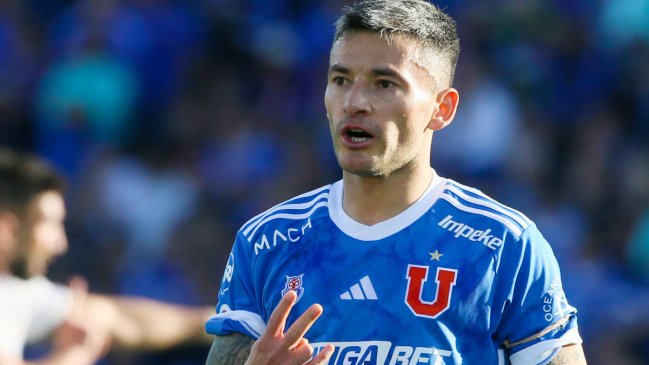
(388, 227)
(254, 221)
(322, 203)
(509, 211)
(543, 352)
(251, 321)
(488, 203)
(509, 224)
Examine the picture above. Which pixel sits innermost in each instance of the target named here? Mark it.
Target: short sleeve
(536, 319)
(50, 305)
(237, 309)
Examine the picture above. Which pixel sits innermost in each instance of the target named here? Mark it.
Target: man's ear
(447, 101)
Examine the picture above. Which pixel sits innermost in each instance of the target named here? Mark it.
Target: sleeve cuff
(543, 352)
(248, 323)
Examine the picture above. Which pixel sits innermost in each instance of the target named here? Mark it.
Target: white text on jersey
(381, 353)
(291, 234)
(462, 230)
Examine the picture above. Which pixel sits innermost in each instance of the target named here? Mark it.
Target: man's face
(41, 235)
(380, 101)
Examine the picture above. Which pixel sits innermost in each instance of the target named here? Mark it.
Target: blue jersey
(457, 278)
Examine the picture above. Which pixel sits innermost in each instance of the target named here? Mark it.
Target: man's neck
(371, 200)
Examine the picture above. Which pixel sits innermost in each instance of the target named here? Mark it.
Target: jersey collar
(388, 227)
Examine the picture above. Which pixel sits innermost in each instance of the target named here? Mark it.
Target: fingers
(79, 289)
(302, 349)
(289, 347)
(323, 356)
(96, 338)
(277, 320)
(302, 324)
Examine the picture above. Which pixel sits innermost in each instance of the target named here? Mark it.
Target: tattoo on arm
(232, 349)
(570, 355)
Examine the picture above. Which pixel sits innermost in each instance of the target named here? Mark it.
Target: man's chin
(362, 171)
(357, 165)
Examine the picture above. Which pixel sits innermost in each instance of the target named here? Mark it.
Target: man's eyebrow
(385, 72)
(388, 72)
(381, 71)
(338, 68)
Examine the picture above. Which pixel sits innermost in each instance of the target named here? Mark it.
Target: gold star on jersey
(435, 255)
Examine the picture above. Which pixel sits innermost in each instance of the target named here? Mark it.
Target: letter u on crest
(417, 276)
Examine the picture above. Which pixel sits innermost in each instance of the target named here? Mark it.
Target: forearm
(570, 355)
(233, 349)
(137, 322)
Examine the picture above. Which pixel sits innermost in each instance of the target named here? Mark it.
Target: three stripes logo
(363, 290)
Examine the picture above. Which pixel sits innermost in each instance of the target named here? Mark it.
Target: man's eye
(385, 84)
(338, 80)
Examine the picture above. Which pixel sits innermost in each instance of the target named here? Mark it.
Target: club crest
(294, 283)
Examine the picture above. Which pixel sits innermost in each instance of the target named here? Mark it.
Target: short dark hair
(22, 178)
(416, 19)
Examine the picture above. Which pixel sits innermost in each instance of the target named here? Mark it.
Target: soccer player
(398, 264)
(81, 324)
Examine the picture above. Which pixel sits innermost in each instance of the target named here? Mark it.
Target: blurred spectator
(146, 199)
(638, 251)
(17, 64)
(83, 102)
(624, 21)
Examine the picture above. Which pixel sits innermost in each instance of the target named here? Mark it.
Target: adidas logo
(360, 291)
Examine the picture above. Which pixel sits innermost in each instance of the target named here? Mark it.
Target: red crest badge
(294, 283)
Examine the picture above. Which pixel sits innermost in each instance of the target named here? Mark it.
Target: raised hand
(276, 347)
(79, 340)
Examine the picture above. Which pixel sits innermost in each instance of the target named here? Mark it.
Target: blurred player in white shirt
(81, 325)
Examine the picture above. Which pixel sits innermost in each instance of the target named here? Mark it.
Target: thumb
(79, 288)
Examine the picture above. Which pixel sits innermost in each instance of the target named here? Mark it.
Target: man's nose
(357, 100)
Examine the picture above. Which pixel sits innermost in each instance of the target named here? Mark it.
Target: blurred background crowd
(175, 121)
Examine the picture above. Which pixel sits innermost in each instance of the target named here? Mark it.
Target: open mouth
(356, 135)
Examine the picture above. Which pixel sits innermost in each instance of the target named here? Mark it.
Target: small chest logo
(294, 283)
